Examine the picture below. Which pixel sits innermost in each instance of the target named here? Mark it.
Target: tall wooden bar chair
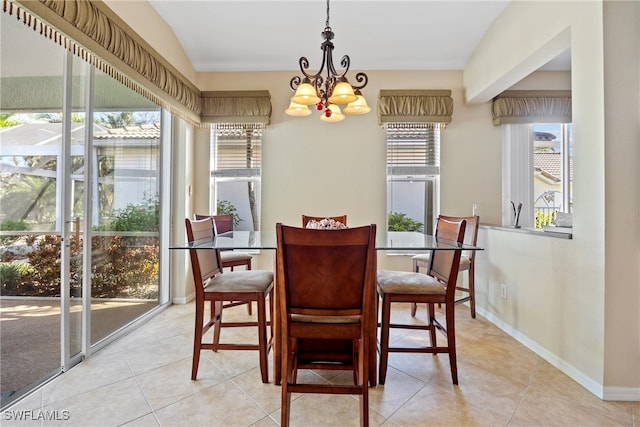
(326, 292)
(435, 287)
(229, 258)
(467, 262)
(214, 286)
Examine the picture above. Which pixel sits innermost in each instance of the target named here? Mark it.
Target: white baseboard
(605, 393)
(183, 300)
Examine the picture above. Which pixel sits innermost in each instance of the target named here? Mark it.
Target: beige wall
(575, 302)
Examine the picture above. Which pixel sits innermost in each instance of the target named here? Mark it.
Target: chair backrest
(470, 233)
(307, 218)
(326, 273)
(222, 223)
(205, 263)
(444, 263)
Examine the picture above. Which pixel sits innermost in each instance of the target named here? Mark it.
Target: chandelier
(327, 92)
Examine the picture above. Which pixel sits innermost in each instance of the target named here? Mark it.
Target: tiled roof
(149, 131)
(551, 164)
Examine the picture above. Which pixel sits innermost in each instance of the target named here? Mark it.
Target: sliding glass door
(80, 197)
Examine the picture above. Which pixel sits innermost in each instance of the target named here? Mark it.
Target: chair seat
(423, 260)
(230, 256)
(240, 281)
(405, 282)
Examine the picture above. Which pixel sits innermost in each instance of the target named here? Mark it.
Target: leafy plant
(12, 275)
(143, 216)
(12, 225)
(225, 207)
(401, 222)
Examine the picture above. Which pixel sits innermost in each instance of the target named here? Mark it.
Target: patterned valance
(415, 106)
(532, 106)
(95, 33)
(236, 107)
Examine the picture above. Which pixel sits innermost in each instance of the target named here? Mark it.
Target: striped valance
(532, 106)
(92, 31)
(236, 107)
(416, 106)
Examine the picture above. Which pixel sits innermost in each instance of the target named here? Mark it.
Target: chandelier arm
(360, 78)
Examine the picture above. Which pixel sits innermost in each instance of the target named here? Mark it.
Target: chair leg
(262, 339)
(432, 326)
(285, 406)
(384, 338)
(472, 292)
(414, 309)
(216, 310)
(451, 341)
(364, 383)
(197, 342)
(249, 304)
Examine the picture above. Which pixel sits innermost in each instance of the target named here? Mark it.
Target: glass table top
(386, 240)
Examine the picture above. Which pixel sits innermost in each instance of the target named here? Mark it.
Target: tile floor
(143, 380)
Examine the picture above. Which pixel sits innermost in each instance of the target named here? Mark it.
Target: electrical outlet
(503, 291)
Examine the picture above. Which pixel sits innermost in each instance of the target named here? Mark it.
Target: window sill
(558, 234)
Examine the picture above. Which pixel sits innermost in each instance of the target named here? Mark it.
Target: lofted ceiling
(266, 35)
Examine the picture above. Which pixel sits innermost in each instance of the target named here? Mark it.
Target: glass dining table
(401, 241)
(391, 241)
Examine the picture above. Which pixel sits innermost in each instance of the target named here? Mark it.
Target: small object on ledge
(516, 214)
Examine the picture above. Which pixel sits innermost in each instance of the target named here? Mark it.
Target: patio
(30, 335)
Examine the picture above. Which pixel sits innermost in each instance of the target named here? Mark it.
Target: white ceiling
(267, 35)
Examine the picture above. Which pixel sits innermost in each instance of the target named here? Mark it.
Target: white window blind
(413, 149)
(237, 150)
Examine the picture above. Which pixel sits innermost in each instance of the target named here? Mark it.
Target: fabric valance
(416, 106)
(532, 106)
(236, 107)
(95, 33)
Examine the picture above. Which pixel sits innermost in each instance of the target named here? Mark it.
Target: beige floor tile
(170, 383)
(327, 410)
(432, 406)
(110, 405)
(25, 412)
(540, 408)
(267, 396)
(146, 357)
(95, 372)
(148, 420)
(223, 404)
(143, 379)
(397, 390)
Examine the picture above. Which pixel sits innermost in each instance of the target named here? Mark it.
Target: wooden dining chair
(230, 258)
(214, 286)
(437, 286)
(467, 262)
(306, 218)
(326, 292)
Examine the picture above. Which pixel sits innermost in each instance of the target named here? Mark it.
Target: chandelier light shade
(332, 114)
(330, 90)
(359, 106)
(297, 110)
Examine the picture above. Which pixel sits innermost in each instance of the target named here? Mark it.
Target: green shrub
(143, 216)
(401, 222)
(12, 225)
(13, 276)
(225, 207)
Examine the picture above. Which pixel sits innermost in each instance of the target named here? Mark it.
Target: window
(413, 171)
(236, 154)
(538, 160)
